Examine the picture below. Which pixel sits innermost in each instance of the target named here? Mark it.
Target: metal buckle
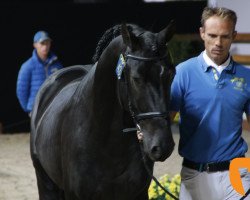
(207, 168)
(204, 167)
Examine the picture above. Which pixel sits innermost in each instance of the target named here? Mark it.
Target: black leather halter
(147, 115)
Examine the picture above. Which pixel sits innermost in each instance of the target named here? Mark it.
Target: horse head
(145, 73)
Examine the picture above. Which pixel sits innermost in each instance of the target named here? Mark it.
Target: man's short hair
(224, 13)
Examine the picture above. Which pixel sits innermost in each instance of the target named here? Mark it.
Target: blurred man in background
(35, 70)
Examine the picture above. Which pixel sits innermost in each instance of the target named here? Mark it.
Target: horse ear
(128, 37)
(167, 33)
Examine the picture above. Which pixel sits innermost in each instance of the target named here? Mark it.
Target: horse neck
(108, 61)
(105, 101)
(105, 79)
(100, 81)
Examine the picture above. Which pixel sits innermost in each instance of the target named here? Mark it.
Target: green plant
(183, 47)
(171, 184)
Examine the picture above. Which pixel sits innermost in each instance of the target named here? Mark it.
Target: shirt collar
(207, 62)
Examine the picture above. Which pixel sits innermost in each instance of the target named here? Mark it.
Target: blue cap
(41, 36)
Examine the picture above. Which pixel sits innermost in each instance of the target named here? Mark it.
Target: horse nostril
(156, 150)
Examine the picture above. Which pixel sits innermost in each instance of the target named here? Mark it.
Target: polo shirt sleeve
(177, 91)
(247, 107)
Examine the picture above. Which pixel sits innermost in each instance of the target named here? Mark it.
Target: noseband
(141, 116)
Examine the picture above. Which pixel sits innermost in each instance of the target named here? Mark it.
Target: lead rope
(247, 193)
(151, 173)
(140, 138)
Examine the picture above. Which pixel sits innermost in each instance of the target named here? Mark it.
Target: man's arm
(248, 119)
(22, 87)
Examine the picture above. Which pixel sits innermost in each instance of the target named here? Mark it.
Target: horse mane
(111, 34)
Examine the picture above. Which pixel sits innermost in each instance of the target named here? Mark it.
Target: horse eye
(137, 81)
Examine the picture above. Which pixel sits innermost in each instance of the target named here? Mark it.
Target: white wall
(242, 9)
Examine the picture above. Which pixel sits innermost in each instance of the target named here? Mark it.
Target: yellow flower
(172, 187)
(152, 194)
(177, 179)
(171, 184)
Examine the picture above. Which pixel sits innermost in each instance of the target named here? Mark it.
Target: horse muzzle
(159, 150)
(157, 153)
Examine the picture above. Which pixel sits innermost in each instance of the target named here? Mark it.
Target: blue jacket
(31, 76)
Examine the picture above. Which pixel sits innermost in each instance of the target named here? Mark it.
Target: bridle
(141, 116)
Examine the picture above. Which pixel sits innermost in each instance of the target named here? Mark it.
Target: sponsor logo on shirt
(239, 83)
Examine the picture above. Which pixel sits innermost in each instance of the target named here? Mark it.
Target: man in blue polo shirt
(211, 92)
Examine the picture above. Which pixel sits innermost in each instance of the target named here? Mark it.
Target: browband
(130, 56)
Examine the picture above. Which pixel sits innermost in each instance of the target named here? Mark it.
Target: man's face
(218, 35)
(43, 49)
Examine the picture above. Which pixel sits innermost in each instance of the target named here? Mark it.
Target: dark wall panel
(75, 29)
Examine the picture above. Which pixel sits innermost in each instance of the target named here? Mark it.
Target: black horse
(83, 143)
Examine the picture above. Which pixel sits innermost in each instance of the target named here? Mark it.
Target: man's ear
(34, 45)
(202, 33)
(234, 34)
